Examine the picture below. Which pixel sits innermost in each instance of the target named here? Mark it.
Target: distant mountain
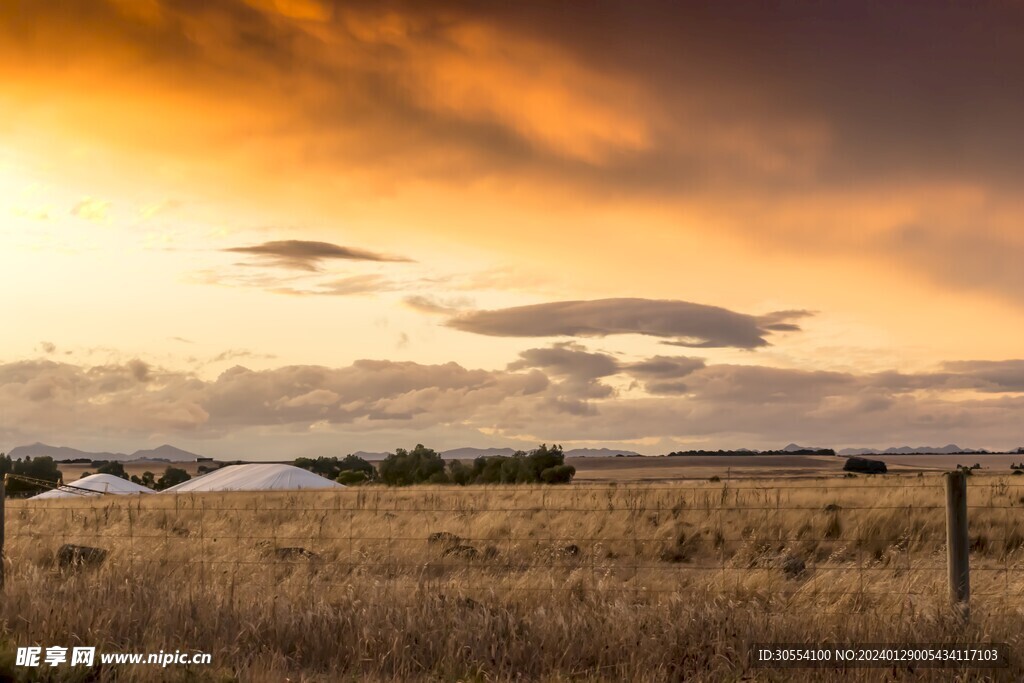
(365, 455)
(165, 452)
(41, 450)
(597, 452)
(910, 450)
(470, 453)
(791, 448)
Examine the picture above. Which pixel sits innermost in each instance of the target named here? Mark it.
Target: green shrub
(43, 468)
(112, 467)
(403, 468)
(559, 474)
(332, 467)
(352, 478)
(172, 476)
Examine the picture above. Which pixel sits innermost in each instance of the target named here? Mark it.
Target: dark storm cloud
(307, 255)
(968, 259)
(908, 90)
(685, 323)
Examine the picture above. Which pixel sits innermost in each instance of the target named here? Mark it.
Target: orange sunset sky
(277, 228)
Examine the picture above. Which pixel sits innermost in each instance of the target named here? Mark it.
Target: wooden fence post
(957, 540)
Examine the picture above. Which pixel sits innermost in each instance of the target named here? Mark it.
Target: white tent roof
(261, 477)
(100, 483)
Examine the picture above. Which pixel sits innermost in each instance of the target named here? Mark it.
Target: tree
(352, 478)
(43, 468)
(332, 467)
(146, 479)
(113, 467)
(542, 465)
(419, 465)
(460, 473)
(559, 474)
(353, 463)
(172, 476)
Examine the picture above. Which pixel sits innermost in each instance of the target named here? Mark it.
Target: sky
(281, 228)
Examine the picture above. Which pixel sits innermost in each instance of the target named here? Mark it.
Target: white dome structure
(98, 484)
(257, 477)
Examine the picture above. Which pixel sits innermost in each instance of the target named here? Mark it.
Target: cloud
(568, 360)
(91, 209)
(237, 354)
(987, 375)
(166, 206)
(425, 303)
(549, 394)
(48, 347)
(308, 255)
(684, 323)
(984, 259)
(355, 284)
(664, 374)
(578, 370)
(773, 121)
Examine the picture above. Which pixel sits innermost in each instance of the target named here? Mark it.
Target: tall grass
(665, 582)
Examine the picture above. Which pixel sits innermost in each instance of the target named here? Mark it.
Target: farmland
(596, 581)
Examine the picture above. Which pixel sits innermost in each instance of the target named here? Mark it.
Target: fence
(847, 546)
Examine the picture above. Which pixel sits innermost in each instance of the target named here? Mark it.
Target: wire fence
(836, 546)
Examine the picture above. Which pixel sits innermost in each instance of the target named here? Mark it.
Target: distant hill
(596, 452)
(470, 453)
(41, 450)
(164, 453)
(910, 450)
(792, 448)
(366, 455)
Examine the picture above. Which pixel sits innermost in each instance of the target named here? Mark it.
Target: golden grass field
(643, 582)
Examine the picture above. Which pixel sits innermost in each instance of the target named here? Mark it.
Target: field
(591, 581)
(648, 469)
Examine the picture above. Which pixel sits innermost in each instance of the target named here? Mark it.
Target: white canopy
(100, 483)
(260, 477)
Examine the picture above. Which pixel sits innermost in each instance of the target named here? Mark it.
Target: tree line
(422, 465)
(45, 469)
(172, 476)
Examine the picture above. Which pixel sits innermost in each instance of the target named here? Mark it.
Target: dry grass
(593, 582)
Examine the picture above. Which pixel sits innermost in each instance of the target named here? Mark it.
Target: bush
(542, 465)
(559, 474)
(113, 467)
(403, 468)
(149, 479)
(43, 468)
(423, 465)
(172, 476)
(352, 478)
(332, 467)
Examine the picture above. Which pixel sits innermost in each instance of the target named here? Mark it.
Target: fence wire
(835, 546)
